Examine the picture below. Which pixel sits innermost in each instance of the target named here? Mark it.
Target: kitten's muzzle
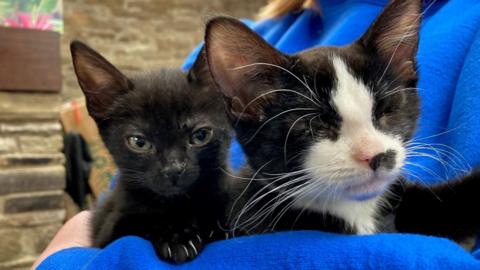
(174, 171)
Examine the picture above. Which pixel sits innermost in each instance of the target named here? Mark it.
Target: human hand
(74, 233)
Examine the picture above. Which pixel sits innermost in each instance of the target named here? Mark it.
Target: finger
(74, 233)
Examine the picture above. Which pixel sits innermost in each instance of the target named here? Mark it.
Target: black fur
(448, 210)
(173, 193)
(241, 64)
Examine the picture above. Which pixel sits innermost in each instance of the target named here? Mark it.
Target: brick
(29, 219)
(29, 106)
(41, 144)
(20, 245)
(24, 263)
(32, 179)
(26, 202)
(8, 145)
(41, 242)
(31, 159)
(10, 245)
(40, 127)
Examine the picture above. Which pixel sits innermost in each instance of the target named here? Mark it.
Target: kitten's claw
(186, 250)
(169, 251)
(193, 246)
(199, 238)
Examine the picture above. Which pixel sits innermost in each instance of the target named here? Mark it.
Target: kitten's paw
(179, 247)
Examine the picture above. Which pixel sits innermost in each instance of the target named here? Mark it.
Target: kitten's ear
(199, 72)
(394, 36)
(100, 81)
(243, 66)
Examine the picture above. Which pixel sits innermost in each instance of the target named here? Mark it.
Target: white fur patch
(360, 215)
(347, 187)
(352, 99)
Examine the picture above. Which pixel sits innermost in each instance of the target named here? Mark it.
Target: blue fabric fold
(449, 86)
(292, 250)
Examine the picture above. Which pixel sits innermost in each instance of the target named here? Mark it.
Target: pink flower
(24, 20)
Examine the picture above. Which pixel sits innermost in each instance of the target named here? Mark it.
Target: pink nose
(366, 148)
(365, 156)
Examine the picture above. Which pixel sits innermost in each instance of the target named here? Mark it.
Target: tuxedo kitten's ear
(394, 36)
(243, 66)
(100, 81)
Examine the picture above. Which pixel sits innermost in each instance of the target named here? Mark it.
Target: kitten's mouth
(171, 191)
(368, 188)
(174, 191)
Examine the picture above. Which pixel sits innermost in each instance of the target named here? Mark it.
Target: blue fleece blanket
(298, 250)
(449, 66)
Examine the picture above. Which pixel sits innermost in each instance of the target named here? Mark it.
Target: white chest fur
(360, 215)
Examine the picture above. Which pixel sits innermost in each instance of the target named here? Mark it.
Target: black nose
(385, 160)
(173, 171)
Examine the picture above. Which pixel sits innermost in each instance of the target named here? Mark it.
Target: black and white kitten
(326, 132)
(168, 134)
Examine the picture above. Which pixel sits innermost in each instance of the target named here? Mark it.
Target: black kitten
(326, 132)
(168, 134)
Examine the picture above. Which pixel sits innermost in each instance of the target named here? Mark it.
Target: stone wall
(132, 34)
(32, 176)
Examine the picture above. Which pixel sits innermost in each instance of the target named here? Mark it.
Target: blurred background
(52, 162)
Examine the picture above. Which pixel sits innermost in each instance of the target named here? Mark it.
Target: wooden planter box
(29, 60)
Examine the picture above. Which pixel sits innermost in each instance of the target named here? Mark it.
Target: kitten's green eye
(139, 144)
(201, 136)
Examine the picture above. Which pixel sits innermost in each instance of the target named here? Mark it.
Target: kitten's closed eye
(139, 144)
(385, 108)
(201, 136)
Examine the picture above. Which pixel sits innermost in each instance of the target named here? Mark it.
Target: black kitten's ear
(100, 81)
(394, 36)
(242, 64)
(199, 72)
